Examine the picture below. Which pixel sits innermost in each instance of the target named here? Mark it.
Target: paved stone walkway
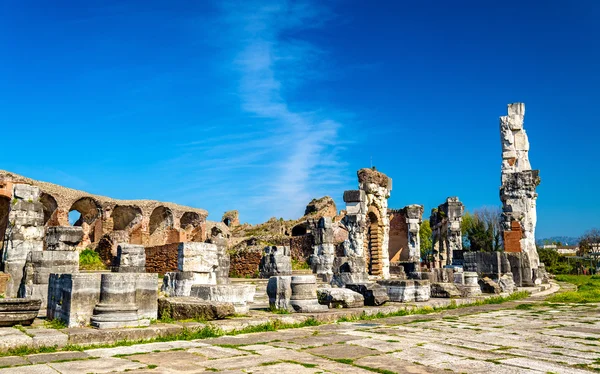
(517, 337)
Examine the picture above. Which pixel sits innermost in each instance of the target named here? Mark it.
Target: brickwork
(301, 247)
(512, 238)
(245, 263)
(398, 237)
(161, 259)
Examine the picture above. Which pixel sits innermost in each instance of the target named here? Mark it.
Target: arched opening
(190, 219)
(374, 238)
(192, 222)
(227, 222)
(4, 208)
(50, 206)
(161, 221)
(126, 217)
(84, 210)
(299, 230)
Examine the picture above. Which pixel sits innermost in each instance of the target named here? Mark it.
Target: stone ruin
(518, 191)
(405, 241)
(276, 261)
(445, 224)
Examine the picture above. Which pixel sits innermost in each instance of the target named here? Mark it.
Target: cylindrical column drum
(304, 287)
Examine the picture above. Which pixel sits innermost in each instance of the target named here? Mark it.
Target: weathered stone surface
(373, 293)
(237, 294)
(445, 290)
(26, 192)
(489, 286)
(117, 307)
(471, 287)
(182, 308)
(197, 257)
(146, 295)
(72, 297)
(340, 298)
(131, 258)
(63, 238)
(324, 207)
(304, 295)
(445, 224)
(276, 261)
(506, 283)
(518, 190)
(279, 290)
(407, 290)
(18, 311)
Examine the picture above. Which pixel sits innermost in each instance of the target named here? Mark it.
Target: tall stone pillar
(518, 191)
(323, 250)
(24, 234)
(453, 210)
(414, 217)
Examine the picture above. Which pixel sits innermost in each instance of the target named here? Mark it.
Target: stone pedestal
(407, 290)
(18, 311)
(197, 264)
(72, 297)
(131, 258)
(349, 270)
(471, 287)
(304, 295)
(279, 290)
(117, 307)
(63, 238)
(237, 294)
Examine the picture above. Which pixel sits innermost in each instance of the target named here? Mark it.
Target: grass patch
(309, 366)
(588, 289)
(90, 260)
(525, 306)
(55, 324)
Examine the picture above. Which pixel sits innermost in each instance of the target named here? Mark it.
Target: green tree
(483, 233)
(425, 235)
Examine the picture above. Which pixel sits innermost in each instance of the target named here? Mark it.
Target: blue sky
(261, 106)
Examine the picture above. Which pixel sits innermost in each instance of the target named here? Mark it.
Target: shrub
(90, 260)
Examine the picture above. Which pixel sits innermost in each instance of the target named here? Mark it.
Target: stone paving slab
(13, 361)
(43, 358)
(103, 365)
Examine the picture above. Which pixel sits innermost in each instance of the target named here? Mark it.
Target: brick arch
(125, 217)
(50, 209)
(193, 225)
(161, 223)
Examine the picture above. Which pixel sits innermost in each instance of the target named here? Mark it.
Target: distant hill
(565, 240)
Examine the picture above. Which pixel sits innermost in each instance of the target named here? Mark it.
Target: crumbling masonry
(445, 224)
(518, 190)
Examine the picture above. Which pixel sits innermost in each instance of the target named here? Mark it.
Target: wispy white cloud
(287, 152)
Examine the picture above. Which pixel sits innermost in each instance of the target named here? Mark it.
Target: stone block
(63, 238)
(72, 297)
(27, 213)
(183, 308)
(279, 290)
(15, 271)
(28, 233)
(459, 278)
(354, 196)
(4, 278)
(276, 261)
(489, 286)
(506, 283)
(18, 250)
(178, 283)
(340, 298)
(373, 293)
(48, 262)
(197, 257)
(237, 294)
(131, 258)
(400, 291)
(445, 290)
(26, 192)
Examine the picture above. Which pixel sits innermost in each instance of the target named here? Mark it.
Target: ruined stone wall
(162, 259)
(145, 222)
(518, 190)
(301, 247)
(245, 263)
(445, 224)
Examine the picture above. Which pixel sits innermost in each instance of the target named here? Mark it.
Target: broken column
(304, 295)
(24, 234)
(518, 193)
(323, 250)
(414, 217)
(117, 307)
(276, 261)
